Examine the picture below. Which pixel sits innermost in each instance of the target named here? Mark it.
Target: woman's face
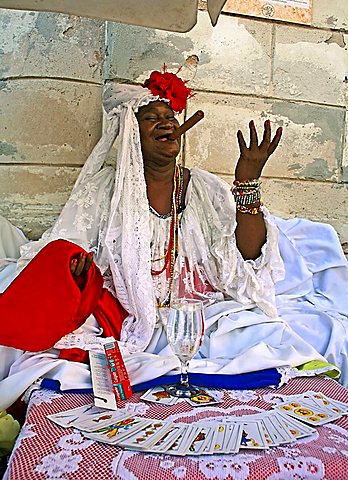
(156, 124)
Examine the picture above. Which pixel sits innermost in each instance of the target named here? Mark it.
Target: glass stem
(184, 376)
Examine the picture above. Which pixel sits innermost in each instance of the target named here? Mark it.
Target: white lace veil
(120, 235)
(127, 238)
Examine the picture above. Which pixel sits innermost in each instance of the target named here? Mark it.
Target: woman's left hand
(81, 264)
(253, 158)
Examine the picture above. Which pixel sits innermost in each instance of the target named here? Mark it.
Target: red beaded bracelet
(250, 210)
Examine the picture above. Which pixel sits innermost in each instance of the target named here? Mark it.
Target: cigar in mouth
(196, 117)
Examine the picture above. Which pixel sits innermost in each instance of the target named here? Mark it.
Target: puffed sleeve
(209, 227)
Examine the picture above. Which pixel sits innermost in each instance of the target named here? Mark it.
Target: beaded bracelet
(247, 192)
(254, 183)
(250, 210)
(247, 197)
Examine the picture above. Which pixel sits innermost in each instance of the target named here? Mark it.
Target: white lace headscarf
(120, 235)
(130, 259)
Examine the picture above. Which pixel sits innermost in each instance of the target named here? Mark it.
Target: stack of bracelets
(245, 194)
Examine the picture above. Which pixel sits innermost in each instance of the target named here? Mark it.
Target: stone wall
(53, 68)
(50, 104)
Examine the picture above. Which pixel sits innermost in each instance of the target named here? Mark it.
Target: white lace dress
(209, 264)
(243, 331)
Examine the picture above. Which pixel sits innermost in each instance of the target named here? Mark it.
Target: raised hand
(81, 264)
(252, 159)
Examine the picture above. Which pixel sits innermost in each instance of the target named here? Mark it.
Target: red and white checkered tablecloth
(47, 451)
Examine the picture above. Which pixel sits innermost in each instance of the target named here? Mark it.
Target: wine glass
(185, 330)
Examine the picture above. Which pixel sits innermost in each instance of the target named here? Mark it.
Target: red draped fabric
(45, 301)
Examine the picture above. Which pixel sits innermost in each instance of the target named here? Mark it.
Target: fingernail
(74, 261)
(252, 125)
(268, 123)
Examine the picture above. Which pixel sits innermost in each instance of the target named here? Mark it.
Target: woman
(158, 232)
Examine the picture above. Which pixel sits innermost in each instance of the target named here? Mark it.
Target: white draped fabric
(287, 307)
(311, 300)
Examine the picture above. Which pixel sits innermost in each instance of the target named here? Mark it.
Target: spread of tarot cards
(286, 422)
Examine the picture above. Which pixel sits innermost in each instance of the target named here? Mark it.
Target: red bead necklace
(171, 252)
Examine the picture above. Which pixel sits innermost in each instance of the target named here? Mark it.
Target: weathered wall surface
(53, 68)
(50, 92)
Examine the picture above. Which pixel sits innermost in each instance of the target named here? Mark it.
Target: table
(46, 451)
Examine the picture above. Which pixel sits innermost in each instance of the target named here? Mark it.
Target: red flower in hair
(170, 86)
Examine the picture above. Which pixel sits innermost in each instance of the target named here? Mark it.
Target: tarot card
(295, 428)
(97, 421)
(271, 440)
(204, 397)
(322, 400)
(233, 438)
(159, 395)
(191, 433)
(219, 437)
(180, 445)
(277, 429)
(68, 417)
(173, 448)
(301, 400)
(308, 413)
(252, 435)
(208, 448)
(335, 403)
(117, 431)
(146, 437)
(200, 440)
(168, 439)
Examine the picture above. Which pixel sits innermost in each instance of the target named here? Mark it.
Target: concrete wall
(53, 68)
